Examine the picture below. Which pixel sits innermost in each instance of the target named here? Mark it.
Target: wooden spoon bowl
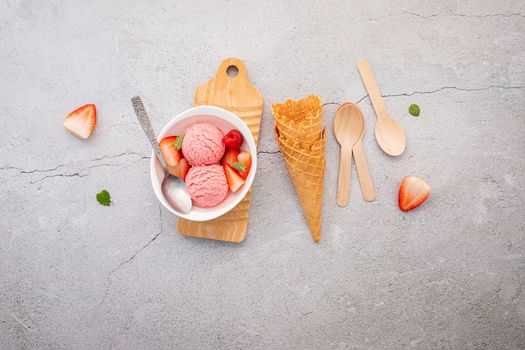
(348, 128)
(390, 135)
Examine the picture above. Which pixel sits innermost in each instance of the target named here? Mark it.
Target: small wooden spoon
(389, 134)
(365, 181)
(348, 128)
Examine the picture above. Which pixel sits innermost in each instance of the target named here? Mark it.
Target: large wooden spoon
(389, 134)
(348, 128)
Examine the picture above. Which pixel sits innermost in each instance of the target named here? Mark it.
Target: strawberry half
(412, 193)
(181, 169)
(230, 156)
(169, 151)
(81, 121)
(235, 181)
(246, 160)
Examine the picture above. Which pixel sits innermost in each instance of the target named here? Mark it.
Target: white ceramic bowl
(225, 121)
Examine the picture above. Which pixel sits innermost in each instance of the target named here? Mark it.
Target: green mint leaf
(238, 166)
(104, 198)
(414, 110)
(178, 142)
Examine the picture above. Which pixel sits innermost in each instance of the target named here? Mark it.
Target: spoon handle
(367, 188)
(371, 86)
(345, 168)
(142, 116)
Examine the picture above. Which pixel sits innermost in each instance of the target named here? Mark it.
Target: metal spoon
(173, 188)
(347, 129)
(389, 134)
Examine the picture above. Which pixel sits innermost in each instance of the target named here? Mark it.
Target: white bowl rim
(237, 123)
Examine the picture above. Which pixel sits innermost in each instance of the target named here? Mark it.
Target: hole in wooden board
(232, 71)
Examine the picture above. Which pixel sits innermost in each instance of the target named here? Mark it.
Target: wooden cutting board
(239, 96)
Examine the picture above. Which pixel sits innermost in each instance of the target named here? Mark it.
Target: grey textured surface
(76, 275)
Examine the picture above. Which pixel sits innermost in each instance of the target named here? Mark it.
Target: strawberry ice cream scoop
(207, 185)
(203, 144)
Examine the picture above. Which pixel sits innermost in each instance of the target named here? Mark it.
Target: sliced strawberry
(412, 193)
(81, 121)
(233, 139)
(181, 169)
(230, 156)
(245, 159)
(235, 181)
(169, 151)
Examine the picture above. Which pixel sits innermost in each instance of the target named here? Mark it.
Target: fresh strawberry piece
(235, 181)
(169, 151)
(246, 160)
(181, 169)
(81, 121)
(412, 193)
(233, 139)
(230, 156)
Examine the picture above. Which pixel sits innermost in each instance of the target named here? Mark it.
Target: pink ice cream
(203, 144)
(207, 185)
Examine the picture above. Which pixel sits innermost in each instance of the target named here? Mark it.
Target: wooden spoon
(348, 129)
(389, 134)
(365, 181)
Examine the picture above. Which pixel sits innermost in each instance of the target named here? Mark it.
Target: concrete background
(76, 275)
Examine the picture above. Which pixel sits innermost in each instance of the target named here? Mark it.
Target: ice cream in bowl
(214, 152)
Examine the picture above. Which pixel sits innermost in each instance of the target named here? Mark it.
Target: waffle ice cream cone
(301, 138)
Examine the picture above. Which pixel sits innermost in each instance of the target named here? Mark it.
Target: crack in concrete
(32, 171)
(79, 174)
(268, 152)
(22, 171)
(82, 172)
(456, 88)
(109, 280)
(434, 91)
(361, 99)
(415, 14)
(116, 156)
(127, 165)
(446, 88)
(75, 174)
(464, 15)
(58, 175)
(331, 103)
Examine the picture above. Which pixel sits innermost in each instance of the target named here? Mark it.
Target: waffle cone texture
(301, 138)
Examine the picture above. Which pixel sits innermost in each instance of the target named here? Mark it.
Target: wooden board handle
(345, 169)
(222, 72)
(371, 86)
(222, 76)
(367, 188)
